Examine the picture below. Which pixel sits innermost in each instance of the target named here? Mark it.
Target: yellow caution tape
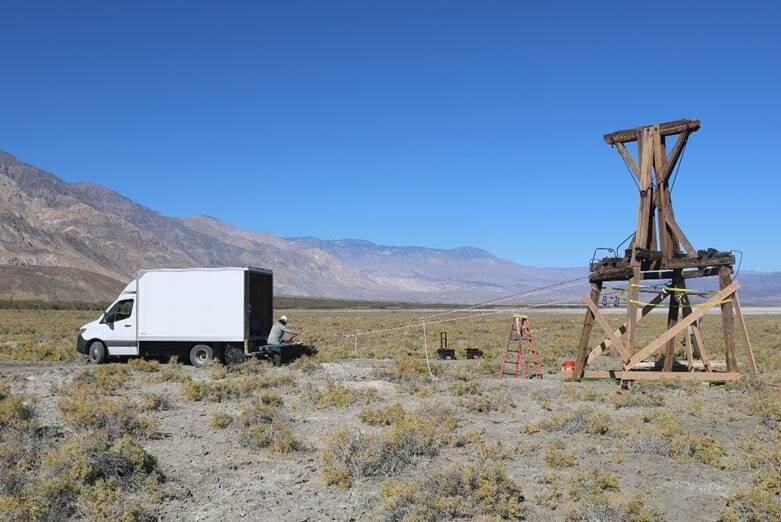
(644, 303)
(706, 304)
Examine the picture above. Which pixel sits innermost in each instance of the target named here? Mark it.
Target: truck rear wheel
(97, 352)
(201, 354)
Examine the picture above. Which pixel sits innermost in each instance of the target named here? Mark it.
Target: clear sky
(429, 123)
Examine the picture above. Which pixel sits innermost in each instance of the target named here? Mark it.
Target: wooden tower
(661, 252)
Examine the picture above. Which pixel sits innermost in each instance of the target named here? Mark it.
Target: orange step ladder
(514, 360)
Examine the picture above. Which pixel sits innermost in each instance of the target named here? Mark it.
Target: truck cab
(114, 332)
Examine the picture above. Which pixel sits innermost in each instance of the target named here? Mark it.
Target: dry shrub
(613, 508)
(222, 421)
(586, 420)
(766, 405)
(139, 364)
(592, 483)
(86, 409)
(407, 370)
(472, 397)
(383, 416)
(337, 394)
(155, 402)
(263, 426)
(558, 457)
(92, 475)
(762, 500)
(662, 434)
(112, 479)
(350, 454)
(171, 372)
(240, 387)
(458, 491)
(106, 378)
(637, 398)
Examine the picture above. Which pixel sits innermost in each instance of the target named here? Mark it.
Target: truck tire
(233, 355)
(201, 354)
(97, 352)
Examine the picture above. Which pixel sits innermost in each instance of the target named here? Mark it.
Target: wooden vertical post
(727, 321)
(585, 335)
(672, 318)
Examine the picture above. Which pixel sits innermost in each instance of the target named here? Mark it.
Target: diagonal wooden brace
(607, 343)
(608, 330)
(682, 325)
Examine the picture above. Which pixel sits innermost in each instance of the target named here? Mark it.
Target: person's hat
(283, 318)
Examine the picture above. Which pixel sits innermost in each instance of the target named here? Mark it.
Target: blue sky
(430, 123)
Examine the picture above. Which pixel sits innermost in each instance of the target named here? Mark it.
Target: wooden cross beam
(672, 127)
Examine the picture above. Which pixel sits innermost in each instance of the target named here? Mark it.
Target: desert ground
(367, 431)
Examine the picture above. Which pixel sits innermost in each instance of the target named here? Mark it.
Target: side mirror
(105, 320)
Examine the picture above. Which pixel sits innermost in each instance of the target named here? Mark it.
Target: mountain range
(83, 242)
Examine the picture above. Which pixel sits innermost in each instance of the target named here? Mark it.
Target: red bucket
(568, 367)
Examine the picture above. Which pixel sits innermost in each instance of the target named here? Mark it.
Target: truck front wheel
(200, 354)
(97, 352)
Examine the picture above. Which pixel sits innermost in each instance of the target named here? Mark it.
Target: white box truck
(194, 313)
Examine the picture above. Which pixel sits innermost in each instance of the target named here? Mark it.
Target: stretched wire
(538, 290)
(678, 167)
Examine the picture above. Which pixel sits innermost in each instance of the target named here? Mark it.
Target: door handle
(128, 326)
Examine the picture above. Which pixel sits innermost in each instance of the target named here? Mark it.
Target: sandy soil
(211, 477)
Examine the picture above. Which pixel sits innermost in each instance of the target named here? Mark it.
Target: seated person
(278, 331)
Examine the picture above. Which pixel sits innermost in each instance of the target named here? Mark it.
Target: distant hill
(80, 241)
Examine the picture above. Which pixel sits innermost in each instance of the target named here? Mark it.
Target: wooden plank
(680, 326)
(643, 375)
(628, 159)
(621, 330)
(728, 322)
(668, 128)
(744, 332)
(585, 334)
(606, 327)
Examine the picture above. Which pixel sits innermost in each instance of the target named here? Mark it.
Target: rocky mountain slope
(81, 241)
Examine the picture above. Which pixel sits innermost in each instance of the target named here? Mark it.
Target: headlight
(81, 330)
